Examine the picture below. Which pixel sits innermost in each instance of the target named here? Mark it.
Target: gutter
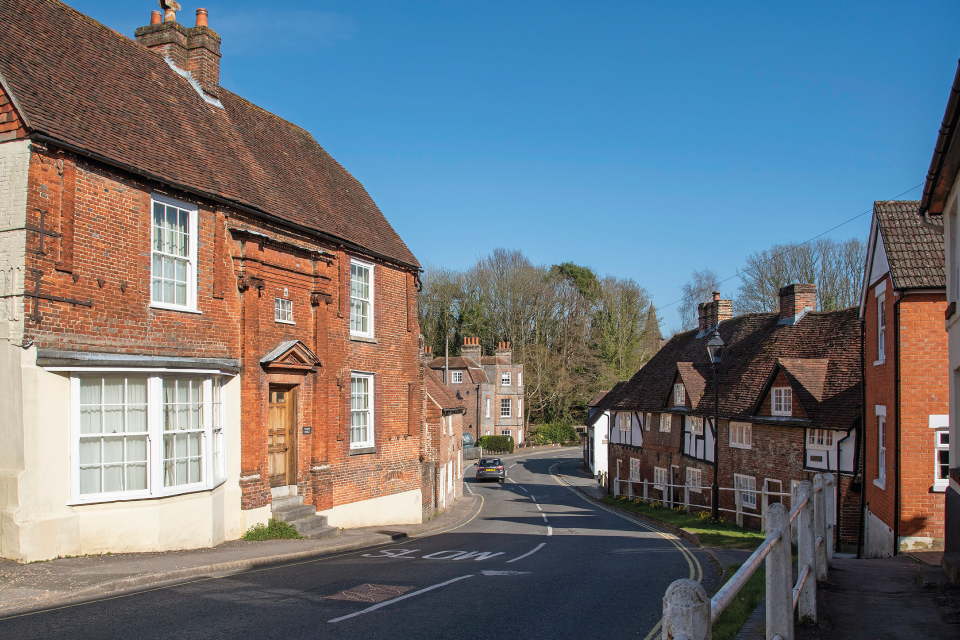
(253, 211)
(944, 140)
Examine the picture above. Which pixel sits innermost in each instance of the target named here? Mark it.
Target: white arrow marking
(403, 597)
(504, 573)
(528, 553)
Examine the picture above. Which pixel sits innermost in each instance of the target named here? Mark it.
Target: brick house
(789, 408)
(202, 311)
(906, 386)
(442, 445)
(490, 388)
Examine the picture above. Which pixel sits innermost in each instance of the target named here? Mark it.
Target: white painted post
(806, 546)
(616, 487)
(830, 487)
(779, 576)
(630, 490)
(686, 498)
(763, 507)
(686, 612)
(820, 519)
(738, 500)
(644, 489)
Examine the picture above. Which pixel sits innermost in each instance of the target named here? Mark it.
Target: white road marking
(403, 597)
(505, 573)
(512, 466)
(522, 489)
(549, 530)
(538, 507)
(478, 555)
(544, 516)
(468, 487)
(437, 555)
(532, 497)
(403, 554)
(528, 553)
(511, 480)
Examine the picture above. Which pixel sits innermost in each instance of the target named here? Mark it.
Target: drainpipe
(863, 444)
(896, 390)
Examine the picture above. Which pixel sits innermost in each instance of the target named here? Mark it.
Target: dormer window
(782, 401)
(679, 395)
(456, 377)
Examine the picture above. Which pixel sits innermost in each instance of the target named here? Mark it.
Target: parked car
(491, 468)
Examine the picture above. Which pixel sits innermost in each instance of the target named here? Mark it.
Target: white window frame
(283, 310)
(623, 421)
(370, 299)
(881, 329)
(746, 486)
(191, 276)
(371, 410)
(456, 377)
(666, 422)
(696, 425)
(506, 403)
(821, 439)
(212, 475)
(505, 432)
(694, 479)
(488, 408)
(648, 417)
(679, 395)
(741, 435)
(940, 484)
(660, 478)
(635, 470)
(781, 397)
(519, 378)
(505, 379)
(881, 479)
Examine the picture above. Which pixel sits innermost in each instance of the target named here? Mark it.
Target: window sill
(284, 321)
(880, 483)
(877, 363)
(173, 307)
(140, 496)
(366, 339)
(359, 451)
(939, 488)
(740, 446)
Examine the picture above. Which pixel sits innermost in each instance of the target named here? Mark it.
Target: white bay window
(139, 435)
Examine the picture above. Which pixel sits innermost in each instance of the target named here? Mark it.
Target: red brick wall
(767, 406)
(11, 126)
(440, 446)
(879, 386)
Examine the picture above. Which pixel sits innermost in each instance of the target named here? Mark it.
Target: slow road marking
(447, 554)
(528, 553)
(403, 597)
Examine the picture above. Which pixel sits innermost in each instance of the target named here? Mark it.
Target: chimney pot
(716, 295)
(170, 10)
(202, 18)
(156, 17)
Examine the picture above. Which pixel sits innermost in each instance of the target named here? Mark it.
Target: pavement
(532, 553)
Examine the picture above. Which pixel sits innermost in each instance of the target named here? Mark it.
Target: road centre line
(398, 599)
(528, 553)
(544, 516)
(549, 531)
(538, 507)
(513, 465)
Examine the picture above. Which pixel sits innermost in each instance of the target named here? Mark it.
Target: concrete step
(315, 527)
(290, 514)
(284, 502)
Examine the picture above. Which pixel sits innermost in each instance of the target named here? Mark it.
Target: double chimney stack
(796, 300)
(195, 49)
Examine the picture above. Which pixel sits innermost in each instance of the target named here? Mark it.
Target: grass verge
(733, 618)
(273, 530)
(723, 534)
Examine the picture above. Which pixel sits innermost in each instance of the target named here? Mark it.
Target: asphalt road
(537, 560)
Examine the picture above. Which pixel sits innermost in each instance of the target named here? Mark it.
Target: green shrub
(497, 444)
(273, 530)
(555, 433)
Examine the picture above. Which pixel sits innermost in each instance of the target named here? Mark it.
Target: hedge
(497, 444)
(556, 432)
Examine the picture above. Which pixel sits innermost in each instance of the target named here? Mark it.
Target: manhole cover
(372, 593)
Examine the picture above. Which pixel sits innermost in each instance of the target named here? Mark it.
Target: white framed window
(505, 379)
(660, 478)
(506, 407)
(694, 478)
(819, 439)
(145, 435)
(519, 378)
(679, 395)
(173, 264)
(665, 422)
(696, 425)
(781, 399)
(741, 435)
(882, 449)
(941, 478)
(635, 469)
(361, 299)
(283, 310)
(623, 420)
(456, 377)
(646, 421)
(361, 410)
(881, 329)
(746, 487)
(450, 476)
(505, 432)
(488, 407)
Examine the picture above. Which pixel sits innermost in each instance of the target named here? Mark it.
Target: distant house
(595, 453)
(442, 445)
(490, 388)
(906, 383)
(790, 403)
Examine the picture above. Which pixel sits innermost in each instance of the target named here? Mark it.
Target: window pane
(89, 480)
(113, 478)
(181, 470)
(113, 419)
(194, 445)
(136, 477)
(181, 446)
(169, 292)
(90, 419)
(137, 449)
(113, 449)
(89, 451)
(194, 470)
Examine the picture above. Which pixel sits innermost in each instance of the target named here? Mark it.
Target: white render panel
(14, 173)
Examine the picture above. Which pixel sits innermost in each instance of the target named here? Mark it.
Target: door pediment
(292, 356)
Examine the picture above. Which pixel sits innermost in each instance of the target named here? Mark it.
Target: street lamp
(715, 349)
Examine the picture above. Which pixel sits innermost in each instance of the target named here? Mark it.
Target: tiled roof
(85, 85)
(595, 400)
(492, 360)
(914, 252)
(474, 371)
(755, 343)
(439, 392)
(604, 403)
(693, 382)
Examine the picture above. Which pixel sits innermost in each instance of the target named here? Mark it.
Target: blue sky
(642, 139)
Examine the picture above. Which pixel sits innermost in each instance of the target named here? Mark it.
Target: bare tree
(698, 289)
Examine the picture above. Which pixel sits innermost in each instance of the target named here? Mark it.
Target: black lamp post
(715, 349)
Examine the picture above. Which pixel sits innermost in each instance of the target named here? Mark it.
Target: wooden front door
(282, 436)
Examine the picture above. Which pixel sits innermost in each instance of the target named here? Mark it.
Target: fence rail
(688, 613)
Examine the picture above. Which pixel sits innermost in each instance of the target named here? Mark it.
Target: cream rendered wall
(47, 526)
(14, 171)
(399, 508)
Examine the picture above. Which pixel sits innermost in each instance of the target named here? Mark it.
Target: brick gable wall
(11, 124)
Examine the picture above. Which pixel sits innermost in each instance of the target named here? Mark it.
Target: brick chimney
(428, 355)
(196, 49)
(471, 349)
(712, 313)
(797, 300)
(504, 353)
